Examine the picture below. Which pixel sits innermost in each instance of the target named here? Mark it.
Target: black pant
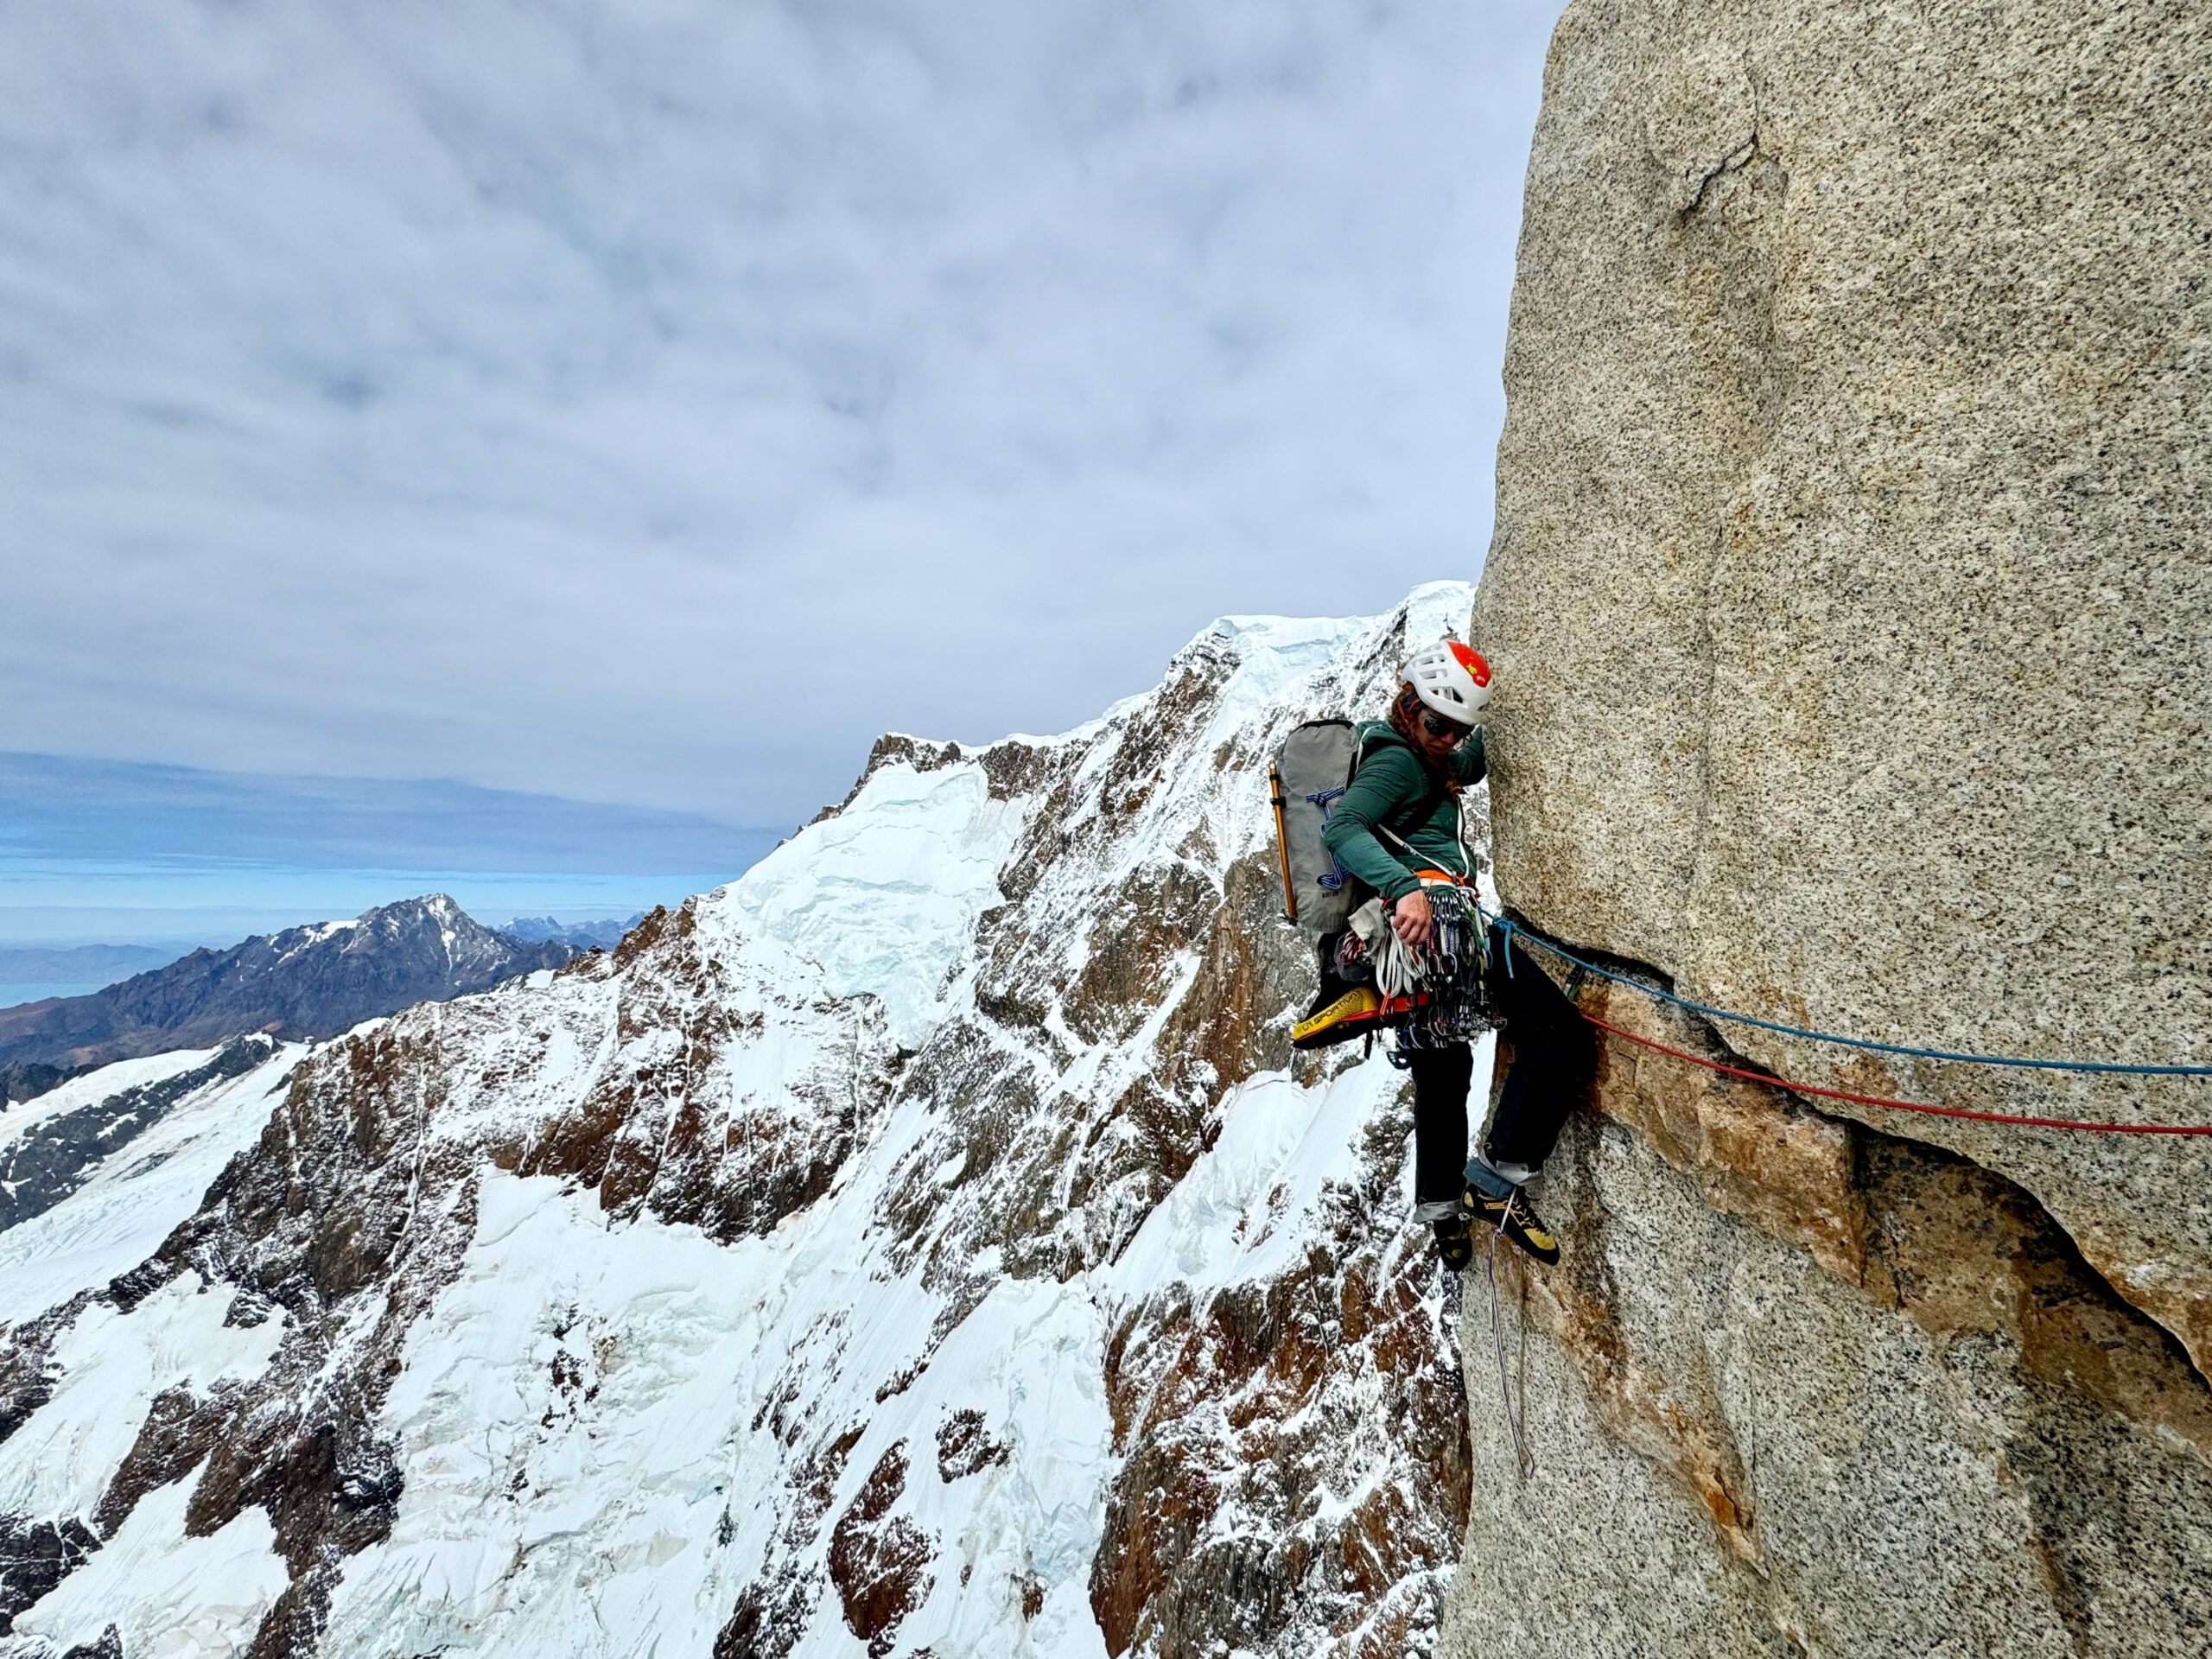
(1553, 1055)
(1440, 1077)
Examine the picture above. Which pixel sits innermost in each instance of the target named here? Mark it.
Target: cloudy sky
(645, 404)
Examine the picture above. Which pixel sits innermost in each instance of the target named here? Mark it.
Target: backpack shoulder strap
(1370, 736)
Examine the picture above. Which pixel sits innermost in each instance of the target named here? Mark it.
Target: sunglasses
(1437, 726)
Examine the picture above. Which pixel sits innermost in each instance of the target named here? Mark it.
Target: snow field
(577, 1415)
(1238, 1214)
(584, 1477)
(881, 901)
(561, 1421)
(140, 1192)
(169, 1596)
(96, 1086)
(111, 1364)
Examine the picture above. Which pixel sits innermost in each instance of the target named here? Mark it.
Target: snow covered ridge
(924, 1244)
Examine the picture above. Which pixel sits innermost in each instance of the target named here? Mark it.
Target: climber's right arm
(1471, 761)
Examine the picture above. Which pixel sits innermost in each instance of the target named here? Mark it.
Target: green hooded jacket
(1394, 789)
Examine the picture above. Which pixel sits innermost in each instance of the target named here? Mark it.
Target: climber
(1407, 790)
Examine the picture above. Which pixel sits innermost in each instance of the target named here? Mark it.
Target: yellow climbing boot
(1515, 1216)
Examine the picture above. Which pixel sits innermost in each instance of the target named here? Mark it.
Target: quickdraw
(1445, 979)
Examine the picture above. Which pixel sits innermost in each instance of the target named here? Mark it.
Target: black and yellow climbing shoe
(1353, 1012)
(1455, 1248)
(1515, 1216)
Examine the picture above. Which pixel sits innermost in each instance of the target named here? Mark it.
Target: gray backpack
(1313, 767)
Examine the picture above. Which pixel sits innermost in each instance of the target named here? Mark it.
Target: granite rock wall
(1852, 600)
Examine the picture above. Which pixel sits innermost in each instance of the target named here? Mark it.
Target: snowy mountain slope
(73, 1093)
(91, 1350)
(924, 1244)
(52, 1147)
(127, 1202)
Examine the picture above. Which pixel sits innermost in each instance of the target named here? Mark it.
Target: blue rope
(1509, 928)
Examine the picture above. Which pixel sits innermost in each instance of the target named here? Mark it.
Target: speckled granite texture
(1975, 1451)
(1852, 601)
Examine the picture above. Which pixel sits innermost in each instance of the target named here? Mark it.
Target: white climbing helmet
(1451, 678)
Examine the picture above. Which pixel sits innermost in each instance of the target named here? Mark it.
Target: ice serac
(927, 1244)
(1848, 596)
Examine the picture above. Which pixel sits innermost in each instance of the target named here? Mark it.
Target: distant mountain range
(602, 935)
(304, 982)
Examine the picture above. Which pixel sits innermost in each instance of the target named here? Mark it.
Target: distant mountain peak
(598, 933)
(316, 980)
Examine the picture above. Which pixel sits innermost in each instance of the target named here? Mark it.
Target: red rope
(1773, 1082)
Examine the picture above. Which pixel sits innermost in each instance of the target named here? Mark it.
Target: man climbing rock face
(1397, 828)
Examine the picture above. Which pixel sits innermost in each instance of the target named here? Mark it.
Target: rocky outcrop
(1296, 1451)
(879, 1560)
(304, 982)
(1798, 1386)
(1847, 598)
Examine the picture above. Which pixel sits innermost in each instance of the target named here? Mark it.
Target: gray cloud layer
(651, 402)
